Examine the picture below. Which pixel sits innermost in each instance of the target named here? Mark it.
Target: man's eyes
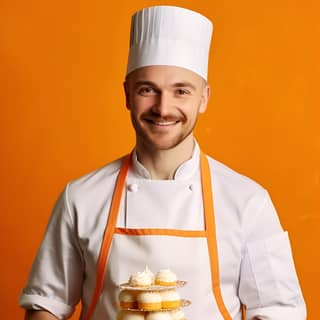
(152, 91)
(146, 90)
(182, 92)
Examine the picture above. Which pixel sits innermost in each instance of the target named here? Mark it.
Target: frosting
(141, 279)
(149, 297)
(148, 271)
(166, 275)
(170, 295)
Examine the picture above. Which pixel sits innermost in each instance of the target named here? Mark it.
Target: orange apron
(192, 255)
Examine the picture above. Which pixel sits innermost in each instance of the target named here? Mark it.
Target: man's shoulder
(97, 180)
(235, 180)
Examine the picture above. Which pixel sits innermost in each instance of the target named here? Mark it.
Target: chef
(166, 204)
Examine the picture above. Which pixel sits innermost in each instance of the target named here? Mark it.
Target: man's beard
(150, 140)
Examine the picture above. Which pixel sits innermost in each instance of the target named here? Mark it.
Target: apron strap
(108, 234)
(211, 234)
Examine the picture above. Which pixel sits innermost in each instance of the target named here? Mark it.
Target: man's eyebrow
(139, 83)
(185, 84)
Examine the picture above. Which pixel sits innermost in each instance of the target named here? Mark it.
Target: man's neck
(162, 164)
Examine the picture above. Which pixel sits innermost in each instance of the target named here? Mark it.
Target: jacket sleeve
(55, 280)
(269, 287)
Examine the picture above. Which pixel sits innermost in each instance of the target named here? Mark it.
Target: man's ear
(126, 92)
(204, 98)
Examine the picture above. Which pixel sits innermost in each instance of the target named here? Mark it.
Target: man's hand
(39, 315)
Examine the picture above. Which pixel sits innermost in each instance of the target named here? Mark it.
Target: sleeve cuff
(278, 313)
(36, 302)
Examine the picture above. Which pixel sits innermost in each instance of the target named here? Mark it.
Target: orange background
(62, 113)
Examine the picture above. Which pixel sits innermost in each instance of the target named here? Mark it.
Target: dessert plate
(127, 286)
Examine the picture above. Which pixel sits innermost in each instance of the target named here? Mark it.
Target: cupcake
(128, 299)
(165, 277)
(177, 315)
(149, 301)
(158, 315)
(141, 279)
(130, 315)
(170, 299)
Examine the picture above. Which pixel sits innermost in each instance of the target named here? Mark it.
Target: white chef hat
(168, 35)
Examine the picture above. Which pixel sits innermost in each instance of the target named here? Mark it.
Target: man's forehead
(170, 75)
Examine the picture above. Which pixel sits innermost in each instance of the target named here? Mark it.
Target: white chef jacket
(255, 260)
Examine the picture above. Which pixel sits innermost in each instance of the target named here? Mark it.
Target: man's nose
(162, 105)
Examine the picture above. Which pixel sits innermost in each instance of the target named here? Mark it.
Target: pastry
(177, 315)
(128, 299)
(170, 299)
(149, 301)
(165, 277)
(158, 315)
(130, 315)
(141, 279)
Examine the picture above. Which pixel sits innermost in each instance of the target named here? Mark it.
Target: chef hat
(168, 35)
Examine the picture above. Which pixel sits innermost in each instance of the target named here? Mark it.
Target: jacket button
(133, 187)
(190, 187)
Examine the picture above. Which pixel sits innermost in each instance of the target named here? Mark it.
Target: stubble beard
(151, 142)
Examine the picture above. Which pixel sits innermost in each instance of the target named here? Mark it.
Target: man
(167, 204)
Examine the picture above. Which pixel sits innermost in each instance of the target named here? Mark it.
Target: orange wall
(62, 112)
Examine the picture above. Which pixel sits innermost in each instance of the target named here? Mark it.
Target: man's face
(164, 102)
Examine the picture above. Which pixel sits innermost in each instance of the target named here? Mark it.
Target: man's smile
(162, 123)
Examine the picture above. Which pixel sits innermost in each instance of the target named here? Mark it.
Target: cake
(170, 299)
(130, 315)
(128, 299)
(165, 277)
(149, 301)
(150, 297)
(158, 315)
(177, 315)
(142, 279)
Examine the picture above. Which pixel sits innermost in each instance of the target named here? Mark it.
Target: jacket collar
(185, 171)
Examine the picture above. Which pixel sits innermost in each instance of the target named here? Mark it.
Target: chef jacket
(255, 259)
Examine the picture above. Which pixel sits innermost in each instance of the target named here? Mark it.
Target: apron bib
(192, 255)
